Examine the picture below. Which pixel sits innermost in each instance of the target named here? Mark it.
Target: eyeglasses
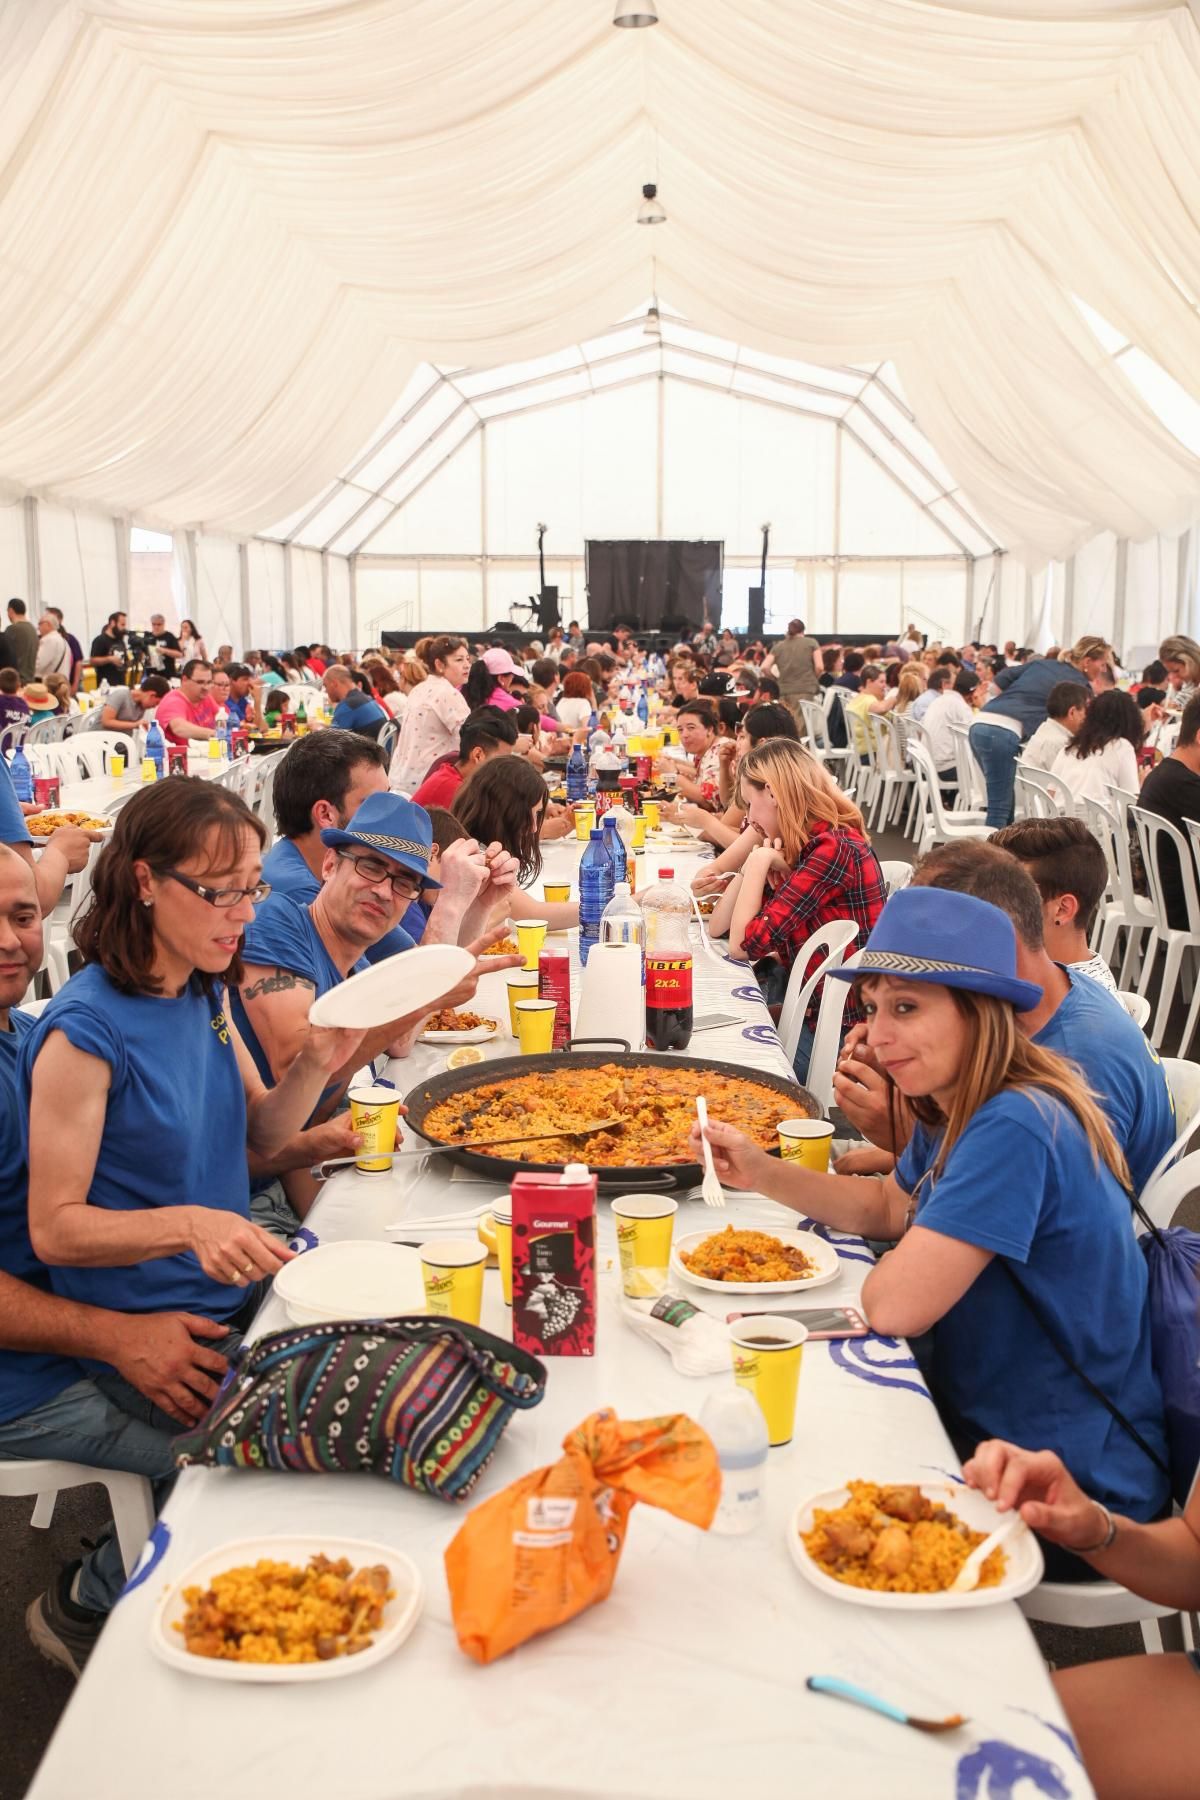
(374, 869)
(220, 897)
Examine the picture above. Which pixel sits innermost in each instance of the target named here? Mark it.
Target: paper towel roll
(611, 996)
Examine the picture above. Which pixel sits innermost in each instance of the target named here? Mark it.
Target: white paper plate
(399, 1615)
(817, 1249)
(478, 1035)
(1023, 1571)
(392, 989)
(356, 1278)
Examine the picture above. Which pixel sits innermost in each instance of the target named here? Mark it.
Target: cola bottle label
(668, 1002)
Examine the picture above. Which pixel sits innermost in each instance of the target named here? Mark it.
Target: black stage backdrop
(653, 584)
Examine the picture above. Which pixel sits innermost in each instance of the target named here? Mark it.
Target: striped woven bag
(421, 1400)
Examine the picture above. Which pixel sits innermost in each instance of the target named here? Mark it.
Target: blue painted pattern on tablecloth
(854, 1357)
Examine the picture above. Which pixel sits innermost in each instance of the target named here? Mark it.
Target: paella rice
(656, 1106)
(274, 1612)
(43, 824)
(449, 1020)
(731, 1255)
(895, 1540)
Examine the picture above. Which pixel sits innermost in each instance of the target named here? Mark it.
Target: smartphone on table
(820, 1322)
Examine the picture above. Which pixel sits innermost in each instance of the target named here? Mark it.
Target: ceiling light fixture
(650, 212)
(633, 14)
(653, 325)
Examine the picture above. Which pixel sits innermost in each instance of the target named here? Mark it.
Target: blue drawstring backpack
(1173, 1269)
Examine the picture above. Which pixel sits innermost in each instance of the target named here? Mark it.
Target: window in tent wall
(450, 597)
(388, 600)
(152, 585)
(933, 597)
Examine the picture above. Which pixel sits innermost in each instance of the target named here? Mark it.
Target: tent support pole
(121, 536)
(289, 628)
(658, 455)
(837, 523)
(244, 594)
(354, 603)
(324, 596)
(1183, 600)
(1068, 631)
(483, 527)
(33, 555)
(1120, 585)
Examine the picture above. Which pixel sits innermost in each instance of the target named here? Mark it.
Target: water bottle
(22, 776)
(643, 708)
(222, 728)
(616, 849)
(577, 774)
(156, 749)
(596, 883)
(734, 1421)
(668, 912)
(623, 921)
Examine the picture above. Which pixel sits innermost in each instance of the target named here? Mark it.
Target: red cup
(46, 789)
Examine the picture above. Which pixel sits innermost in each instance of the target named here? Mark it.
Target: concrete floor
(33, 1693)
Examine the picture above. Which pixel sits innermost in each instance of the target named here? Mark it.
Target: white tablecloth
(687, 1681)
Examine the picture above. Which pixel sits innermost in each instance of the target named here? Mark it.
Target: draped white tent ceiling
(231, 229)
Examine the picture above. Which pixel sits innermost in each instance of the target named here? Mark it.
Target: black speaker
(548, 613)
(757, 613)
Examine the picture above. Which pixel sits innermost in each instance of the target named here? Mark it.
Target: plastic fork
(967, 1579)
(711, 1191)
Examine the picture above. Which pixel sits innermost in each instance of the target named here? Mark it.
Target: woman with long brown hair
(143, 1205)
(807, 861)
(1009, 1209)
(503, 801)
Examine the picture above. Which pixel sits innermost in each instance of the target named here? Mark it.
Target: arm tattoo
(277, 982)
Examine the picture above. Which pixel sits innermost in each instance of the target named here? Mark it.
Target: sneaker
(62, 1630)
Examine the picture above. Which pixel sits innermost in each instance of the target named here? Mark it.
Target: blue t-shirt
(288, 873)
(1024, 691)
(1022, 1182)
(283, 936)
(358, 712)
(13, 829)
(237, 709)
(174, 1130)
(28, 1378)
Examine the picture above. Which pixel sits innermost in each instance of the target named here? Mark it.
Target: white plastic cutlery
(711, 1190)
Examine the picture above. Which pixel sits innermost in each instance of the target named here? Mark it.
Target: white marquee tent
(327, 290)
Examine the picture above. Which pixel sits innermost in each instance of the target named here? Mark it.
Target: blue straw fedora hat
(392, 827)
(952, 940)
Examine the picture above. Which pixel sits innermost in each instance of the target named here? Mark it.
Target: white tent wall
(266, 589)
(217, 604)
(14, 565)
(339, 577)
(1134, 594)
(83, 562)
(308, 624)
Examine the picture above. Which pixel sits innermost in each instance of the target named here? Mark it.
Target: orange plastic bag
(547, 1547)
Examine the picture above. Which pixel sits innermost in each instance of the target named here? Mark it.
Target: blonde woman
(910, 686)
(1181, 655)
(1009, 1210)
(805, 861)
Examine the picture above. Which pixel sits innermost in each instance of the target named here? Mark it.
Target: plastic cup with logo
(149, 771)
(637, 837)
(452, 1270)
(535, 1026)
(585, 819)
(645, 1225)
(767, 1352)
(531, 935)
(556, 892)
(215, 748)
(495, 1230)
(652, 813)
(116, 765)
(522, 984)
(806, 1141)
(375, 1112)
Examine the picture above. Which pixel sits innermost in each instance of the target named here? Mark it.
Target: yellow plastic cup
(116, 766)
(531, 935)
(806, 1141)
(214, 749)
(652, 813)
(495, 1230)
(375, 1111)
(535, 1026)
(452, 1270)
(556, 892)
(638, 836)
(585, 819)
(645, 1227)
(522, 984)
(767, 1352)
(149, 772)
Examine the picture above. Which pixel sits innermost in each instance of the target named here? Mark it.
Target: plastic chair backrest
(1153, 832)
(971, 786)
(1101, 821)
(1040, 796)
(48, 731)
(826, 1041)
(1163, 1194)
(1183, 1079)
(831, 943)
(814, 719)
(1120, 802)
(927, 782)
(1136, 1005)
(896, 875)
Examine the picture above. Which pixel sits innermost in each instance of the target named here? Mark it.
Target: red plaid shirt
(837, 877)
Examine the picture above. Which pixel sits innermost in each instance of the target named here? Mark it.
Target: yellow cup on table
(767, 1352)
(638, 836)
(585, 819)
(375, 1111)
(452, 1270)
(535, 1026)
(214, 749)
(531, 935)
(652, 814)
(645, 1226)
(556, 892)
(495, 1230)
(116, 766)
(806, 1141)
(149, 771)
(522, 984)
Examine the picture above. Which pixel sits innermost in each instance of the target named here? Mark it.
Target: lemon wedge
(464, 1056)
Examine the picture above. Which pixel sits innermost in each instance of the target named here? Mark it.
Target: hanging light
(653, 325)
(650, 212)
(635, 13)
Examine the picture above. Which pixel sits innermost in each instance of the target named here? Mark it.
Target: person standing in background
(166, 649)
(19, 643)
(797, 662)
(190, 641)
(53, 651)
(108, 649)
(73, 645)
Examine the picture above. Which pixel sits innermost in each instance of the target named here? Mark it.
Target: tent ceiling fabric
(230, 229)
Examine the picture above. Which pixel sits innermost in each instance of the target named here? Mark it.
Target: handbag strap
(1096, 1392)
(485, 1349)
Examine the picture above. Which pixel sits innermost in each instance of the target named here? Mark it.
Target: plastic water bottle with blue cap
(22, 776)
(156, 748)
(734, 1421)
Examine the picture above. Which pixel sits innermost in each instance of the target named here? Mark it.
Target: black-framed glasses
(375, 869)
(220, 897)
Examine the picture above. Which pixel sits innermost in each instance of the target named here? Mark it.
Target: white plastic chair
(1126, 910)
(1164, 1194)
(971, 796)
(827, 1040)
(1153, 834)
(894, 778)
(50, 731)
(938, 826)
(815, 718)
(1183, 1079)
(896, 875)
(1037, 796)
(128, 1495)
(831, 944)
(1137, 1006)
(1095, 1605)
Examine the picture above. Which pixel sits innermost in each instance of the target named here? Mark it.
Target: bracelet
(1107, 1540)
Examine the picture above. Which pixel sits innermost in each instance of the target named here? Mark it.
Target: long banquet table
(687, 1681)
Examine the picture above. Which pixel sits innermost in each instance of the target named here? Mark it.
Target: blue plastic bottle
(597, 880)
(22, 776)
(577, 774)
(643, 708)
(156, 748)
(616, 849)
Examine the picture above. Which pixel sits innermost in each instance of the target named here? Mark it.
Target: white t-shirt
(1096, 969)
(574, 713)
(1043, 747)
(948, 709)
(1089, 777)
